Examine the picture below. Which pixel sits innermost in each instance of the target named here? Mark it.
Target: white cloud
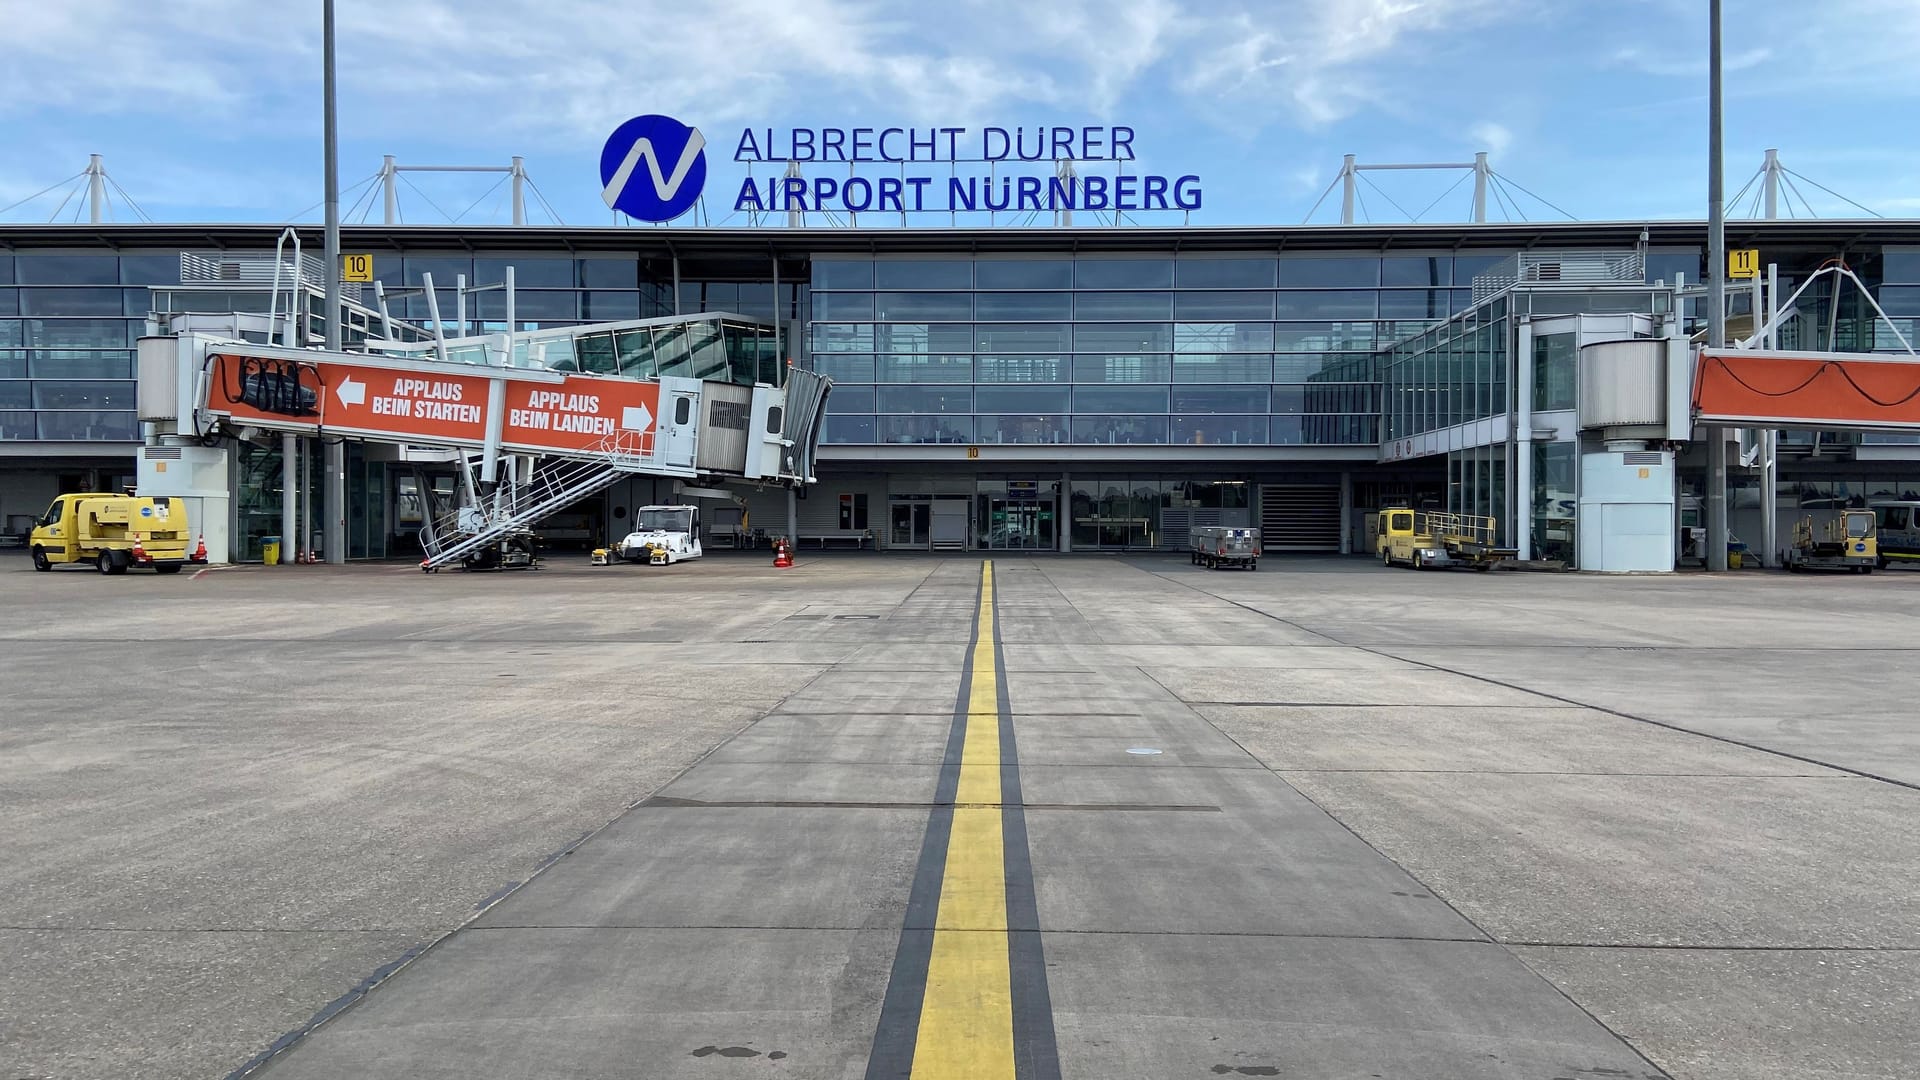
(1491, 137)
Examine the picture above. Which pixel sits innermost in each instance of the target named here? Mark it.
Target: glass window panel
(1414, 303)
(1468, 267)
(1223, 305)
(83, 395)
(17, 426)
(77, 364)
(1123, 273)
(1898, 264)
(1123, 305)
(1024, 273)
(1303, 367)
(619, 273)
(1120, 430)
(15, 393)
(925, 399)
(1122, 369)
(150, 269)
(1327, 304)
(603, 306)
(529, 272)
(1900, 299)
(842, 274)
(670, 353)
(70, 302)
(1323, 336)
(1553, 371)
(1023, 429)
(9, 302)
(847, 429)
(854, 305)
(13, 363)
(1020, 368)
(1219, 399)
(444, 270)
(923, 338)
(544, 305)
(851, 399)
(925, 429)
(844, 367)
(88, 427)
(1330, 272)
(1030, 305)
(709, 350)
(1023, 399)
(1123, 337)
(925, 368)
(6, 269)
(1667, 266)
(927, 305)
(67, 269)
(77, 333)
(1024, 337)
(1207, 429)
(842, 337)
(755, 298)
(1416, 270)
(595, 353)
(1120, 399)
(923, 274)
(1224, 273)
(633, 350)
(1222, 337)
(1223, 367)
(136, 302)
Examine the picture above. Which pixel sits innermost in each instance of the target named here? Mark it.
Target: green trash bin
(270, 550)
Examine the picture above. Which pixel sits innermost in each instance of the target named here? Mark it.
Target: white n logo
(664, 187)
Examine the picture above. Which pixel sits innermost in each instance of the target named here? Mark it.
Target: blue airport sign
(653, 168)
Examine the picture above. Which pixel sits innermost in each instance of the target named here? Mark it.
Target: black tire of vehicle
(121, 562)
(40, 560)
(166, 568)
(1253, 565)
(104, 562)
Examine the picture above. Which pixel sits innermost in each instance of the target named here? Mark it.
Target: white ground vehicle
(662, 536)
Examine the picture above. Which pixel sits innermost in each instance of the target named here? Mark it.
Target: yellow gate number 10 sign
(356, 268)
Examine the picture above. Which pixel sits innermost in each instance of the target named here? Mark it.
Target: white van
(1898, 523)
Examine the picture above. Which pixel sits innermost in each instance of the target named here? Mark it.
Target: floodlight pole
(334, 543)
(1716, 296)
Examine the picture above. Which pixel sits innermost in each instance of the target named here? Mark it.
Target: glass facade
(1247, 351)
(68, 323)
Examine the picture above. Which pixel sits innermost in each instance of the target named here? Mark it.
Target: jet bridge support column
(291, 542)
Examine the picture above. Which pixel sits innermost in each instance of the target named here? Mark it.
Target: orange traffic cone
(782, 555)
(139, 549)
(200, 549)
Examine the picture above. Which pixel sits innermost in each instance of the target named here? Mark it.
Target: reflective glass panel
(1329, 272)
(9, 302)
(529, 272)
(15, 393)
(48, 394)
(925, 399)
(925, 429)
(842, 274)
(850, 305)
(1222, 367)
(1123, 337)
(927, 305)
(842, 337)
(923, 274)
(13, 363)
(843, 367)
(1120, 399)
(1029, 305)
(1222, 337)
(1207, 429)
(603, 306)
(847, 429)
(1219, 399)
(1120, 430)
(444, 270)
(74, 364)
(1093, 273)
(88, 427)
(620, 273)
(1208, 306)
(70, 302)
(1123, 305)
(851, 399)
(1326, 304)
(923, 337)
(67, 269)
(1024, 337)
(1020, 368)
(17, 426)
(1024, 273)
(150, 269)
(1223, 273)
(1024, 399)
(1124, 368)
(1416, 270)
(1006, 428)
(925, 368)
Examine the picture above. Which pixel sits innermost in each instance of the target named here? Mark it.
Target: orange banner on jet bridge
(1806, 389)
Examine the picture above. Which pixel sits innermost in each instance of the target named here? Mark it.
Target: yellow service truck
(115, 532)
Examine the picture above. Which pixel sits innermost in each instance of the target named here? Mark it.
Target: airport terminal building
(1048, 388)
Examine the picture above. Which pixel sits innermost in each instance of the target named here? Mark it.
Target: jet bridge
(537, 421)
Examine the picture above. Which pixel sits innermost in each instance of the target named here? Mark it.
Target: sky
(209, 110)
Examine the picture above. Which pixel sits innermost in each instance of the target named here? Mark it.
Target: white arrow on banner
(352, 393)
(636, 418)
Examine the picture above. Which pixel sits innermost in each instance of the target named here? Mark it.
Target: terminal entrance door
(911, 525)
(1019, 524)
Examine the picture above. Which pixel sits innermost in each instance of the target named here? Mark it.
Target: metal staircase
(559, 483)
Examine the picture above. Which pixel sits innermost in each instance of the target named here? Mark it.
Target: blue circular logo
(1859, 547)
(653, 167)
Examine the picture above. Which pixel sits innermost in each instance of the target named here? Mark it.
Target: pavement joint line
(1451, 906)
(382, 975)
(1488, 679)
(669, 803)
(1363, 704)
(1827, 775)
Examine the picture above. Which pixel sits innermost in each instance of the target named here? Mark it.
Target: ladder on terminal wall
(462, 531)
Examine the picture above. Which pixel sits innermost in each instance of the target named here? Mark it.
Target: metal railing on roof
(1566, 267)
(256, 268)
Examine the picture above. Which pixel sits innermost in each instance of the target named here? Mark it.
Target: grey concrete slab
(170, 1005)
(810, 868)
(1751, 1014)
(1040, 657)
(1860, 717)
(1279, 867)
(1407, 685)
(806, 782)
(875, 738)
(1122, 741)
(1445, 738)
(665, 1004)
(1649, 860)
(1194, 1006)
(843, 691)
